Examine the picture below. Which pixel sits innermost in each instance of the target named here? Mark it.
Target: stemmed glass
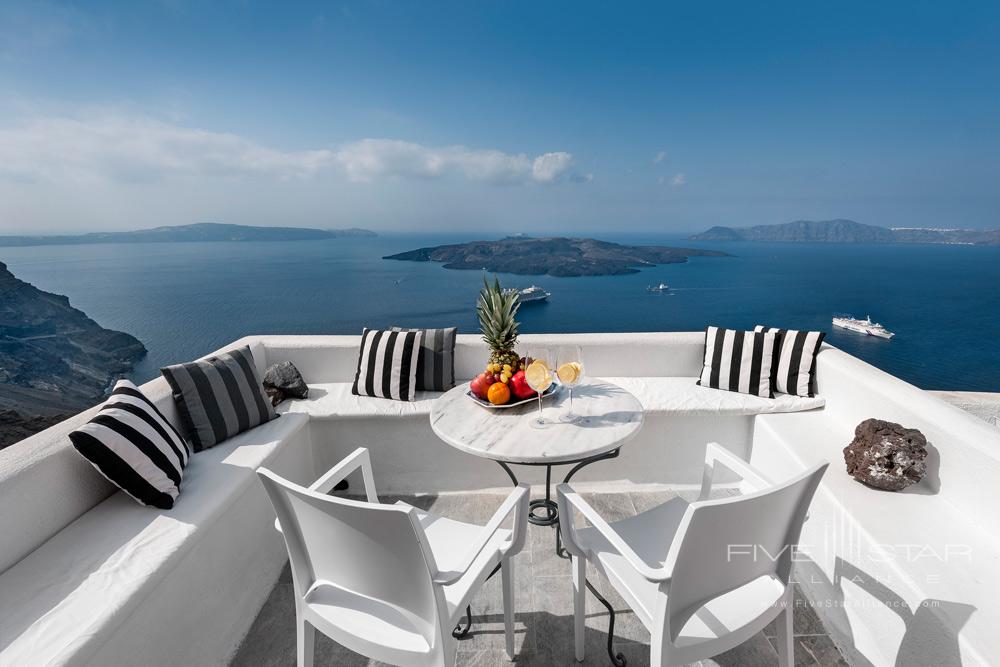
(570, 374)
(539, 377)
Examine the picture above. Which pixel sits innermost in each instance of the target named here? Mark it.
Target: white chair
(389, 581)
(703, 577)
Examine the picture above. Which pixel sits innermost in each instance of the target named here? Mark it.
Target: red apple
(519, 386)
(480, 386)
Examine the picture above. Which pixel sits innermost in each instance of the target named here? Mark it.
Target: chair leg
(785, 639)
(579, 606)
(507, 582)
(305, 642)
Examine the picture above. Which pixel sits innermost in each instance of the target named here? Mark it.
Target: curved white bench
(87, 576)
(658, 396)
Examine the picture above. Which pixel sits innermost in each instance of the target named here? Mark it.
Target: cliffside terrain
(54, 360)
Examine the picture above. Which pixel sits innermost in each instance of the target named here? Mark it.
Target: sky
(499, 117)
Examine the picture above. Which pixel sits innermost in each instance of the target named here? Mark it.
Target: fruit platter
(509, 378)
(513, 401)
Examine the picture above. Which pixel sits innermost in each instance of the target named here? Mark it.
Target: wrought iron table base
(549, 515)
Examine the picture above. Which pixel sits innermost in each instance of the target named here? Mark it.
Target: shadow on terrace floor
(543, 606)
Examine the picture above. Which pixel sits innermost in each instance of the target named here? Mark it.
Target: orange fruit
(498, 393)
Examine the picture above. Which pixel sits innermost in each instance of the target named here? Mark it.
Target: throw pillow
(739, 361)
(435, 359)
(794, 368)
(133, 445)
(219, 397)
(387, 364)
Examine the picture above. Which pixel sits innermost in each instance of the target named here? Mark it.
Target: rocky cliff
(54, 360)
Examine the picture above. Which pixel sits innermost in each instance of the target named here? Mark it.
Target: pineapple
(496, 308)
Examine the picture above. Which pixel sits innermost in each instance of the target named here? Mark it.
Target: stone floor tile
(647, 500)
(755, 652)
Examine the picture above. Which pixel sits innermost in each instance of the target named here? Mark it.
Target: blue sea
(185, 299)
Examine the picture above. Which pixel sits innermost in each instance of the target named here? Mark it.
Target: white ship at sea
(533, 294)
(865, 326)
(662, 287)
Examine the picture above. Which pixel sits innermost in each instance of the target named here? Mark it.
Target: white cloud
(660, 157)
(370, 159)
(118, 148)
(550, 166)
(678, 180)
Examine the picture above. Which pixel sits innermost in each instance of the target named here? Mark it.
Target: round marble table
(607, 417)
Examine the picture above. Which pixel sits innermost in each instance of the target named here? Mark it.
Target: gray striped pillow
(219, 397)
(435, 359)
(794, 368)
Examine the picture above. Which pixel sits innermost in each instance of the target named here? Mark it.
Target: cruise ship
(533, 294)
(865, 326)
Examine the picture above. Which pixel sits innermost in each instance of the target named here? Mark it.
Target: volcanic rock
(886, 455)
(284, 380)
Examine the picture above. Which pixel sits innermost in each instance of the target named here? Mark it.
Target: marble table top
(609, 416)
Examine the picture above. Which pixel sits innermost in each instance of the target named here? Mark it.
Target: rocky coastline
(54, 360)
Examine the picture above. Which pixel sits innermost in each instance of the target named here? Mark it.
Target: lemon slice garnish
(538, 375)
(568, 373)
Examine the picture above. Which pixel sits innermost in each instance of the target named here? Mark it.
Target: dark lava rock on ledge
(886, 455)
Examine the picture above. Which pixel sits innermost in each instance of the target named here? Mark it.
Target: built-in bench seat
(684, 396)
(907, 558)
(91, 593)
(87, 576)
(658, 395)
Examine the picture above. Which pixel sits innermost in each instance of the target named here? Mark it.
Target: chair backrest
(730, 542)
(370, 549)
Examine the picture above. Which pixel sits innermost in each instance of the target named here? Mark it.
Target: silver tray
(553, 389)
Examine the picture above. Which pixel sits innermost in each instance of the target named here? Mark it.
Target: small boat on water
(865, 326)
(662, 287)
(533, 294)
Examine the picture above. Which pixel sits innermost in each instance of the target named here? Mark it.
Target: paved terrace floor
(543, 608)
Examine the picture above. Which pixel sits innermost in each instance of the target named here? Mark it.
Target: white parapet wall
(899, 578)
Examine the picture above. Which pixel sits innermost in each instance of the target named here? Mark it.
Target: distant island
(202, 231)
(849, 231)
(54, 360)
(557, 256)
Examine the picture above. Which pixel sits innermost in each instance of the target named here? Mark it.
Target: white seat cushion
(658, 395)
(74, 589)
(684, 396)
(334, 400)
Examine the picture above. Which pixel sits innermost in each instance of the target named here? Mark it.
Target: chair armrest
(516, 502)
(358, 458)
(568, 500)
(714, 453)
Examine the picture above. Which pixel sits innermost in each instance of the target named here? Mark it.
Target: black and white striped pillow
(739, 361)
(436, 359)
(387, 364)
(131, 443)
(794, 371)
(219, 397)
